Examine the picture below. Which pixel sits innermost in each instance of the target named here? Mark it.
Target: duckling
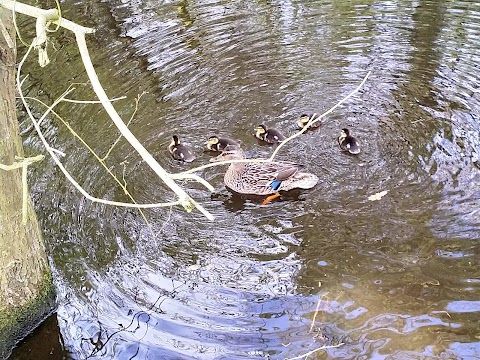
(179, 151)
(348, 143)
(305, 118)
(270, 136)
(217, 144)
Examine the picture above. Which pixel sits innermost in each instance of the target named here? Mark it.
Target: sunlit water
(397, 278)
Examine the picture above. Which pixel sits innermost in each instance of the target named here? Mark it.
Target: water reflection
(395, 278)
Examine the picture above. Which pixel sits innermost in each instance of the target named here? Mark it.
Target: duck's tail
(303, 180)
(353, 149)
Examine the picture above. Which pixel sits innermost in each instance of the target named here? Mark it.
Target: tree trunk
(26, 288)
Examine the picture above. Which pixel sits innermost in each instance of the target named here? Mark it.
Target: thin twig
(137, 99)
(107, 169)
(23, 163)
(19, 164)
(304, 356)
(312, 121)
(316, 311)
(92, 101)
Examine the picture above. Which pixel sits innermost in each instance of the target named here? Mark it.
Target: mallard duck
(180, 151)
(218, 144)
(348, 143)
(266, 178)
(270, 136)
(305, 118)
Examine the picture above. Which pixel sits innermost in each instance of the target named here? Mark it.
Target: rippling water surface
(396, 278)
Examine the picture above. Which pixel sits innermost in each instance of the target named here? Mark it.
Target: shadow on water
(395, 278)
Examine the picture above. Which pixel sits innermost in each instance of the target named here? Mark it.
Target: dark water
(397, 278)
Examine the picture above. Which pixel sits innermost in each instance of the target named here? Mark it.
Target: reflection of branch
(99, 344)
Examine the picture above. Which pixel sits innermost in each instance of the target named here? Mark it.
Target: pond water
(397, 278)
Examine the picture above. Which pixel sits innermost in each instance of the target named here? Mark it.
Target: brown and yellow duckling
(348, 143)
(179, 151)
(218, 144)
(305, 118)
(270, 136)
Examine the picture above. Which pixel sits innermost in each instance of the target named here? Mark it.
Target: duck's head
(260, 130)
(231, 152)
(304, 119)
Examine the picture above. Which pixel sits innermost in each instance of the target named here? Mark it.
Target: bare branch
(52, 151)
(183, 198)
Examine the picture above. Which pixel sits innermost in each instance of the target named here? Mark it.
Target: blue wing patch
(275, 185)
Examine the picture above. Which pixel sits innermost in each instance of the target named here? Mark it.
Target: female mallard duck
(348, 143)
(270, 136)
(217, 144)
(305, 118)
(264, 178)
(180, 151)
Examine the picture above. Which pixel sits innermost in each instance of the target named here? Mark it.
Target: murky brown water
(397, 278)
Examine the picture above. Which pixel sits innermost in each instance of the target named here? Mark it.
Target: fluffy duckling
(305, 118)
(348, 143)
(179, 151)
(270, 136)
(218, 144)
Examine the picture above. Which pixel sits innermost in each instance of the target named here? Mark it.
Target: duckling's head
(304, 119)
(260, 130)
(344, 132)
(213, 140)
(175, 140)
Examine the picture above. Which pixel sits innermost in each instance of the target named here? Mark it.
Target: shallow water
(397, 278)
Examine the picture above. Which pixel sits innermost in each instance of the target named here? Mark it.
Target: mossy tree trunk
(26, 289)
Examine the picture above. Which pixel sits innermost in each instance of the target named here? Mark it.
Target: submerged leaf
(378, 195)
